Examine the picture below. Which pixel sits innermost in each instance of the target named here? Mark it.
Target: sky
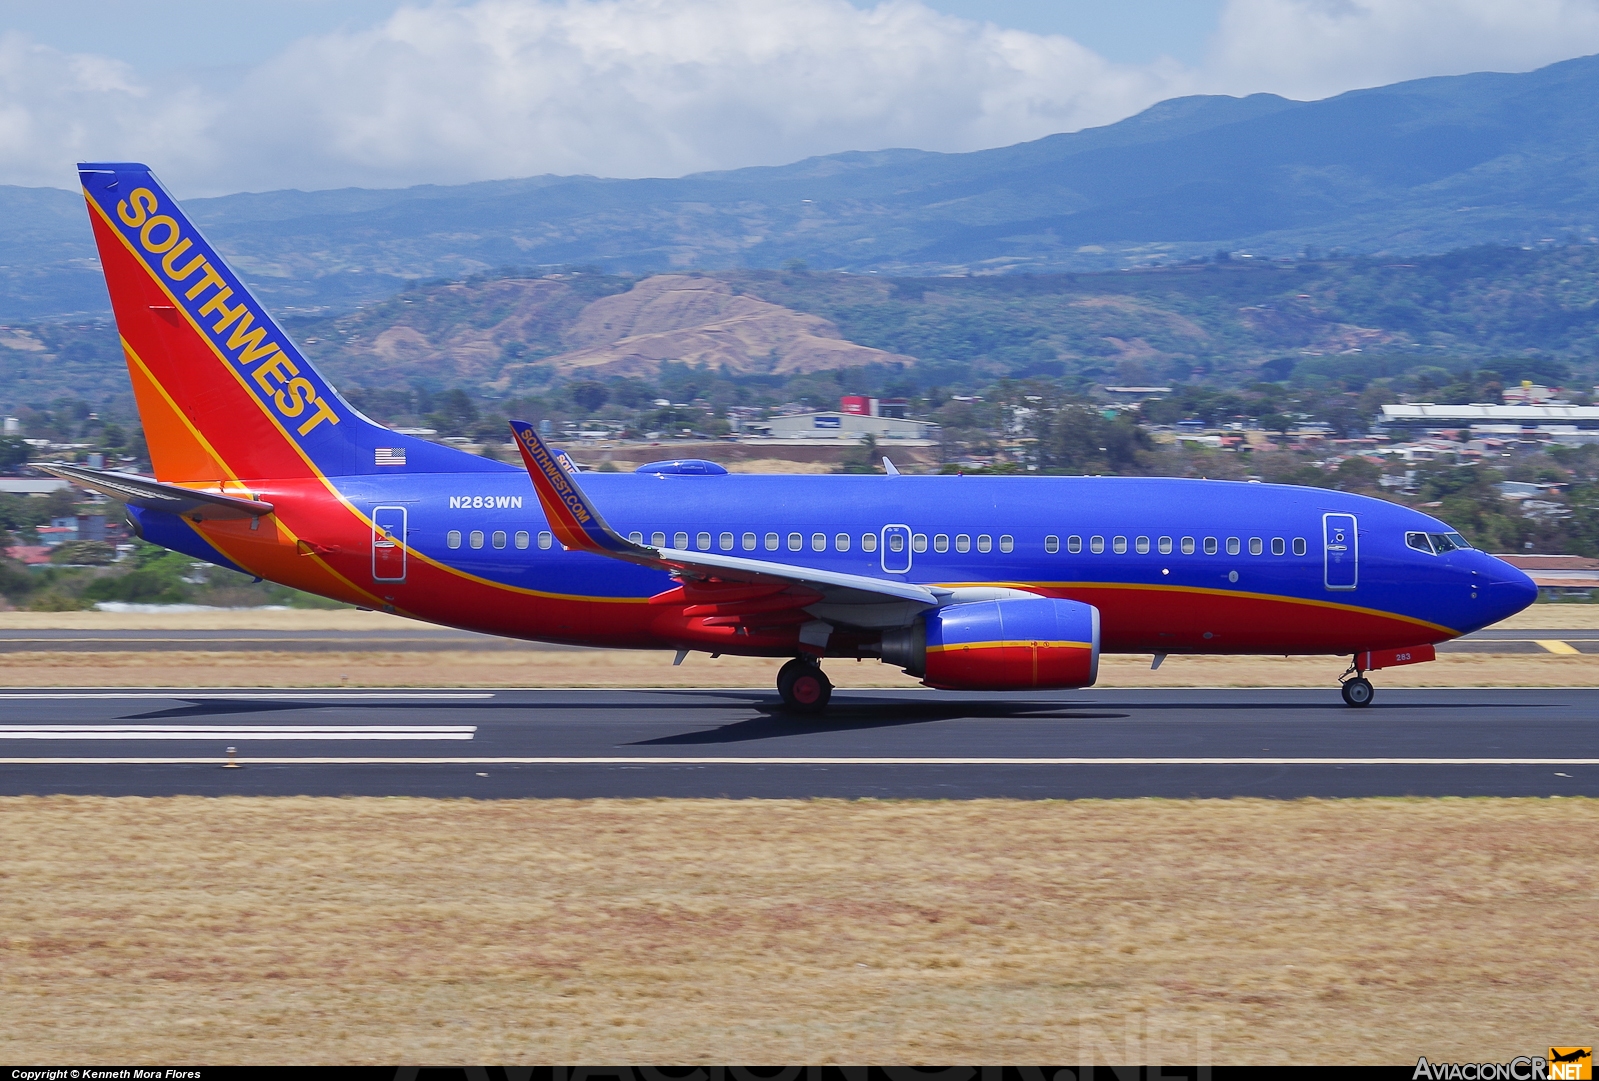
(222, 97)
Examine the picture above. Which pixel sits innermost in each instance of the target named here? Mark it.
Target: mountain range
(1422, 166)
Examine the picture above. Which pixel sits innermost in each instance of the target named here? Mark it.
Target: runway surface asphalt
(428, 638)
(888, 744)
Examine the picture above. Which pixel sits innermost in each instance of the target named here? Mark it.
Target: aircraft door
(388, 544)
(896, 549)
(1340, 542)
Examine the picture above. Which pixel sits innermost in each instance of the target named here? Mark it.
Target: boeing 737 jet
(967, 582)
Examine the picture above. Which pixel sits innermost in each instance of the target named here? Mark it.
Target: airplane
(977, 583)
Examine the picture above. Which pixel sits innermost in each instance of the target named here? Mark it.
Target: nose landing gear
(1357, 689)
(804, 686)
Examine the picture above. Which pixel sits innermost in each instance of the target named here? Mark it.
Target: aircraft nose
(1509, 590)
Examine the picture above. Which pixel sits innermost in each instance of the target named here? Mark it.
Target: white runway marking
(244, 696)
(238, 733)
(652, 761)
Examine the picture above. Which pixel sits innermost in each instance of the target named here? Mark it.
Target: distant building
(859, 406)
(1426, 414)
(1558, 575)
(843, 427)
(32, 485)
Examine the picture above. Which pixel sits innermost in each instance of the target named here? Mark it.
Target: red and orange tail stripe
(573, 519)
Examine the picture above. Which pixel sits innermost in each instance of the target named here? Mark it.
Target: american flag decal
(388, 456)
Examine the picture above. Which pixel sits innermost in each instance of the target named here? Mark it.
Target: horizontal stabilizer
(153, 495)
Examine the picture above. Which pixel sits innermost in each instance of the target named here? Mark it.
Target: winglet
(572, 517)
(888, 467)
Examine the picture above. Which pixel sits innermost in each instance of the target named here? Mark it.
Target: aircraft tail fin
(223, 393)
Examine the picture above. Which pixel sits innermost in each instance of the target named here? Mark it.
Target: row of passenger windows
(476, 537)
(896, 542)
(819, 542)
(1212, 546)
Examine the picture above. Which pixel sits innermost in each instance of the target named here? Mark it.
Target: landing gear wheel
(1358, 692)
(804, 687)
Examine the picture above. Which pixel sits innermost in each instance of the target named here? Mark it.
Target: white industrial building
(844, 427)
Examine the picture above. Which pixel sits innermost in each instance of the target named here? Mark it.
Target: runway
(428, 639)
(730, 743)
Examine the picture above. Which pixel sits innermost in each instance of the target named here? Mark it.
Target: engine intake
(1002, 645)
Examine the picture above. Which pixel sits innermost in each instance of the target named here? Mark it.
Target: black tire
(804, 686)
(1358, 692)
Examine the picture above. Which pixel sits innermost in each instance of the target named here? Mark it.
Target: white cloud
(474, 90)
(1316, 48)
(664, 87)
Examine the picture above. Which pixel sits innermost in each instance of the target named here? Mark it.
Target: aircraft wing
(829, 595)
(153, 495)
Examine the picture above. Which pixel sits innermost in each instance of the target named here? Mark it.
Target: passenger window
(1007, 543)
(1234, 546)
(963, 543)
(499, 538)
(1074, 545)
(658, 539)
(1278, 547)
(521, 538)
(680, 541)
(1255, 546)
(453, 538)
(984, 543)
(868, 542)
(1096, 544)
(545, 540)
(1142, 545)
(1188, 546)
(748, 542)
(1165, 546)
(818, 542)
(919, 542)
(841, 542)
(636, 537)
(771, 542)
(1051, 544)
(702, 541)
(476, 539)
(941, 543)
(1418, 541)
(796, 541)
(725, 542)
(1210, 546)
(896, 542)
(1119, 545)
(1299, 546)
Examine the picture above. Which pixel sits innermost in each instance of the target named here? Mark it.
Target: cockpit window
(1459, 541)
(1448, 542)
(1419, 542)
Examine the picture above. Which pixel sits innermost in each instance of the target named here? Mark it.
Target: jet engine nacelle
(1002, 645)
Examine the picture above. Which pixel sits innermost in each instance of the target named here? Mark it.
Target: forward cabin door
(388, 544)
(1340, 542)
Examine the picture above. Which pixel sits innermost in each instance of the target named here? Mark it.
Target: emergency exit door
(896, 556)
(1341, 543)
(388, 544)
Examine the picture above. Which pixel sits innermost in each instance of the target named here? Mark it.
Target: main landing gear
(1357, 689)
(804, 686)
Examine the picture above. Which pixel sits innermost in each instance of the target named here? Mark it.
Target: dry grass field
(342, 931)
